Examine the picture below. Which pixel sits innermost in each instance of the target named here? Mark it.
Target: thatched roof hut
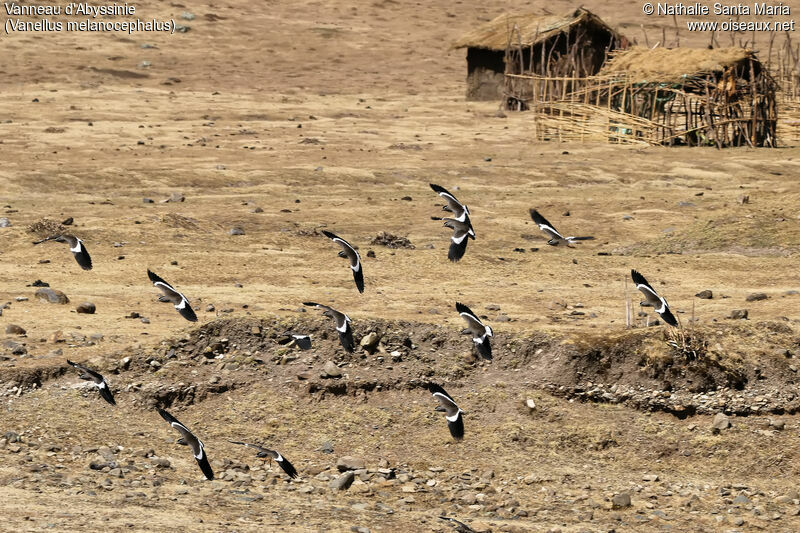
(720, 97)
(544, 42)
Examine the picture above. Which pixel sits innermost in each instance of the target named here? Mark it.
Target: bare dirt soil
(285, 118)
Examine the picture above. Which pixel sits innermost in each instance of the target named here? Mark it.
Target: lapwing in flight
(187, 437)
(555, 237)
(99, 381)
(455, 422)
(177, 299)
(460, 223)
(352, 255)
(652, 299)
(75, 246)
(480, 332)
(342, 324)
(267, 454)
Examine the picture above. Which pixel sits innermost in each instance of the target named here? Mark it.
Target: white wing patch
(454, 417)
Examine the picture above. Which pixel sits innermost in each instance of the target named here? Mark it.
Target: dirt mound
(392, 241)
(637, 367)
(46, 227)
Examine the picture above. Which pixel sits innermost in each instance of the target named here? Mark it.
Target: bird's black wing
(82, 256)
(105, 393)
(346, 338)
(202, 461)
(287, 467)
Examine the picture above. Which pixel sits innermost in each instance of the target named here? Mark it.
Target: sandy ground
(331, 116)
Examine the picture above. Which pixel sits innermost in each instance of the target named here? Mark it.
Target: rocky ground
(217, 164)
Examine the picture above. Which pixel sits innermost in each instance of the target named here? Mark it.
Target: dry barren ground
(286, 118)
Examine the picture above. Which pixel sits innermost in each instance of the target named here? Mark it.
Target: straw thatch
(663, 65)
(532, 29)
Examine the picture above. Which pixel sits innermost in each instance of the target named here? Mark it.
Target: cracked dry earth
(338, 117)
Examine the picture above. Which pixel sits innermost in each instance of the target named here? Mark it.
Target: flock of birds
(481, 333)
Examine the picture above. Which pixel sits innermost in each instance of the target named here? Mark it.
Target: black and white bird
(301, 342)
(178, 300)
(480, 332)
(460, 223)
(555, 237)
(459, 210)
(342, 324)
(652, 299)
(453, 413)
(75, 246)
(266, 453)
(352, 255)
(99, 381)
(462, 232)
(187, 437)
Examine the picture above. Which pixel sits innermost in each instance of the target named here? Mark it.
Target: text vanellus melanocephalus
(76, 246)
(460, 224)
(453, 413)
(198, 450)
(266, 453)
(352, 255)
(178, 300)
(342, 324)
(480, 332)
(555, 237)
(99, 381)
(652, 299)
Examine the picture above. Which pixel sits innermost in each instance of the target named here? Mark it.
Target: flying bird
(462, 231)
(266, 453)
(178, 300)
(652, 299)
(455, 422)
(555, 237)
(352, 255)
(459, 210)
(342, 324)
(99, 381)
(480, 332)
(75, 246)
(460, 223)
(198, 450)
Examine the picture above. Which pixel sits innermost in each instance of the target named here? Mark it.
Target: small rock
(176, 197)
(342, 482)
(52, 296)
(621, 500)
(236, 230)
(531, 404)
(350, 463)
(87, 308)
(147, 201)
(756, 297)
(721, 421)
(330, 370)
(739, 314)
(4, 222)
(13, 329)
(705, 295)
(370, 341)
